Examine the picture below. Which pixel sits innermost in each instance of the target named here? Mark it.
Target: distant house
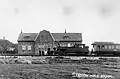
(34, 43)
(6, 45)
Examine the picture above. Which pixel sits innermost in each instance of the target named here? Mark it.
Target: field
(102, 68)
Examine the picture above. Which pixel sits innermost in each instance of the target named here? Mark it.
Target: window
(23, 47)
(26, 37)
(66, 37)
(41, 46)
(81, 46)
(110, 47)
(69, 45)
(117, 47)
(29, 47)
(98, 47)
(63, 44)
(105, 47)
(72, 44)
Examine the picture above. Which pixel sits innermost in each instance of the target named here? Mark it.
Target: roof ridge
(28, 32)
(72, 32)
(55, 36)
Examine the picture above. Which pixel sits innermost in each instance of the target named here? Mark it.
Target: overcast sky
(97, 20)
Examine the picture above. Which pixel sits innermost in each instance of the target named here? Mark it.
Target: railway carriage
(106, 48)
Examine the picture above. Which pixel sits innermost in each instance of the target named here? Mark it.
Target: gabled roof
(27, 36)
(67, 36)
(55, 36)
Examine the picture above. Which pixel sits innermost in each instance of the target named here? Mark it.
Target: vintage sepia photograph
(59, 39)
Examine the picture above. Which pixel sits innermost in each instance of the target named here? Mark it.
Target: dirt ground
(61, 70)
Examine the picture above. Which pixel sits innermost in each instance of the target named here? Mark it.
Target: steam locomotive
(76, 50)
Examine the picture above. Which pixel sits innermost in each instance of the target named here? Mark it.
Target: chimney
(4, 38)
(21, 31)
(65, 31)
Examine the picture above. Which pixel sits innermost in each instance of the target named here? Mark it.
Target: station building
(34, 43)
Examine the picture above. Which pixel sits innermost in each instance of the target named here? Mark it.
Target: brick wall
(43, 41)
(27, 49)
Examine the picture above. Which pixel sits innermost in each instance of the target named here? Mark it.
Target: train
(98, 49)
